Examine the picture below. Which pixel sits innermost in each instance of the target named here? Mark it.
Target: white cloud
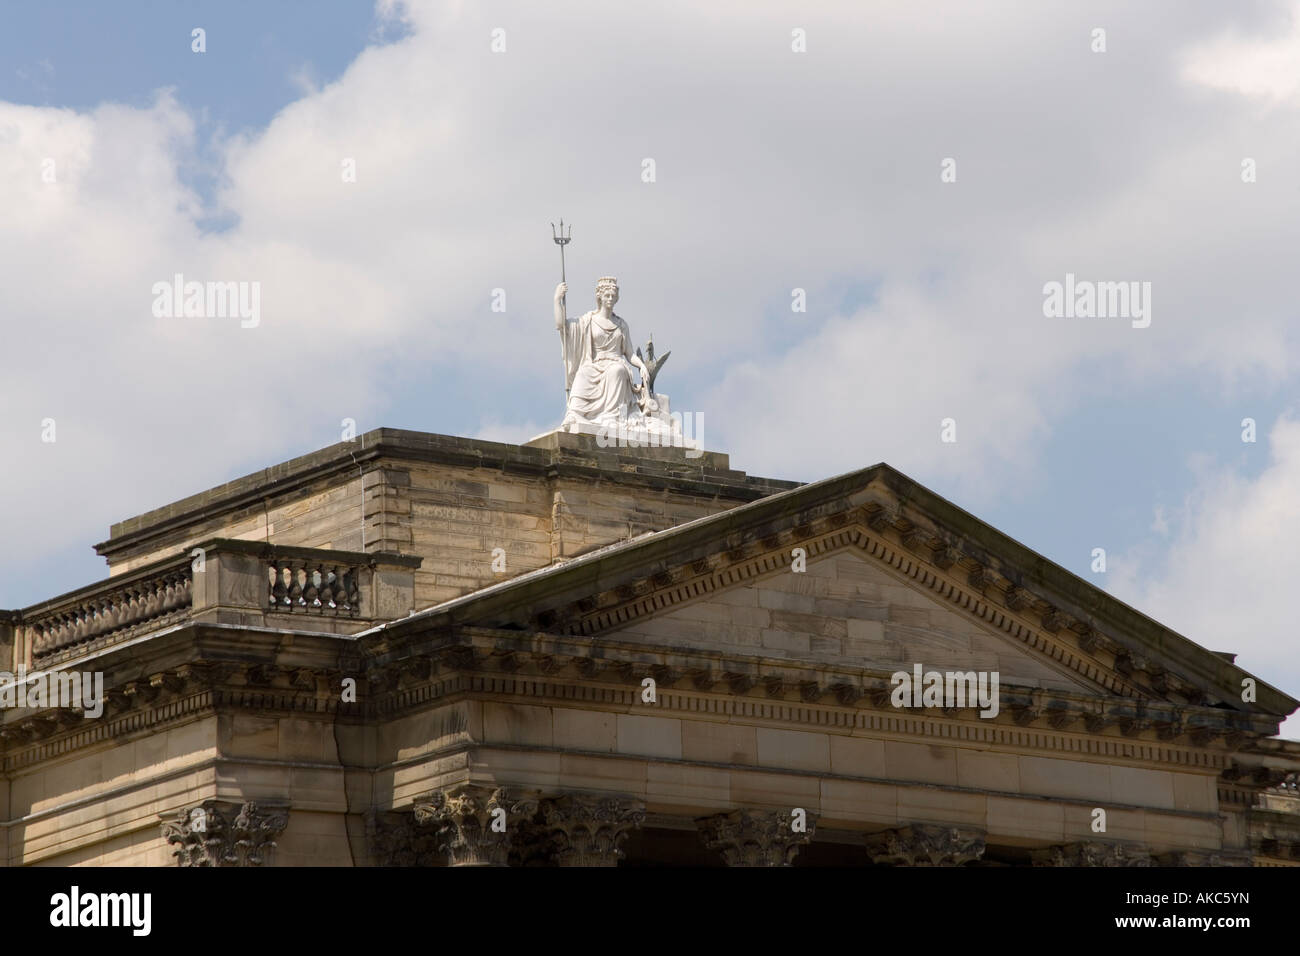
(776, 170)
(1227, 579)
(1255, 66)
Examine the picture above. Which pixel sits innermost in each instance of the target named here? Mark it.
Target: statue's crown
(605, 282)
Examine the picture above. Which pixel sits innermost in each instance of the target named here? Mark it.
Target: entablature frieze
(606, 673)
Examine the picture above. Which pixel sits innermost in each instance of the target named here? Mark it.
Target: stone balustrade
(159, 596)
(313, 586)
(219, 581)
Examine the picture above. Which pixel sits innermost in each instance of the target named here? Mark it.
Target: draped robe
(598, 369)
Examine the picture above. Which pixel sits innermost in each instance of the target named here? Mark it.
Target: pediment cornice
(907, 531)
(921, 558)
(611, 672)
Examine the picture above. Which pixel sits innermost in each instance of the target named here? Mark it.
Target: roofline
(606, 567)
(668, 469)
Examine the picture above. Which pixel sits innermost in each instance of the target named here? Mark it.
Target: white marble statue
(603, 397)
(599, 360)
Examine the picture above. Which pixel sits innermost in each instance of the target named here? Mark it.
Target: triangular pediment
(846, 611)
(895, 576)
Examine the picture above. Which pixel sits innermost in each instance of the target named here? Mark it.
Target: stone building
(414, 649)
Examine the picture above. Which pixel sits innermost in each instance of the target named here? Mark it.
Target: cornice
(949, 575)
(166, 697)
(1074, 624)
(575, 457)
(202, 670)
(556, 669)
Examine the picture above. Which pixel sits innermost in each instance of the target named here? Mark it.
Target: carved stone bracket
(882, 519)
(981, 579)
(1017, 598)
(220, 833)
(475, 823)
(1053, 620)
(926, 844)
(1090, 853)
(755, 837)
(588, 829)
(946, 556)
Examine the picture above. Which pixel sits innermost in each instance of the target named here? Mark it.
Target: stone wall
(451, 501)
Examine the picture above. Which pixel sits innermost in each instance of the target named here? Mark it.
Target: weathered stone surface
(924, 844)
(214, 833)
(274, 680)
(749, 837)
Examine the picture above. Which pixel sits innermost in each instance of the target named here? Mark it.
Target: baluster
(340, 588)
(329, 579)
(169, 593)
(311, 593)
(134, 606)
(295, 584)
(354, 592)
(279, 591)
(78, 624)
(113, 611)
(151, 599)
(92, 617)
(178, 589)
(99, 620)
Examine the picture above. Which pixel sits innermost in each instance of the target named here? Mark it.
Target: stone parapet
(357, 494)
(217, 581)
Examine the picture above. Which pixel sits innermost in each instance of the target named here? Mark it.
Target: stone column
(588, 829)
(1090, 853)
(475, 823)
(754, 837)
(926, 844)
(222, 833)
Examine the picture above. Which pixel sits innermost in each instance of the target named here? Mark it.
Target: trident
(561, 240)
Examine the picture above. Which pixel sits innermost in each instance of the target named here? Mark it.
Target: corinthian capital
(1090, 853)
(925, 844)
(222, 833)
(756, 837)
(589, 830)
(475, 823)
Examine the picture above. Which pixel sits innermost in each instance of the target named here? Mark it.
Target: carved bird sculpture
(652, 364)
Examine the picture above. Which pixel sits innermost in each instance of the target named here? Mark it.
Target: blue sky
(776, 171)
